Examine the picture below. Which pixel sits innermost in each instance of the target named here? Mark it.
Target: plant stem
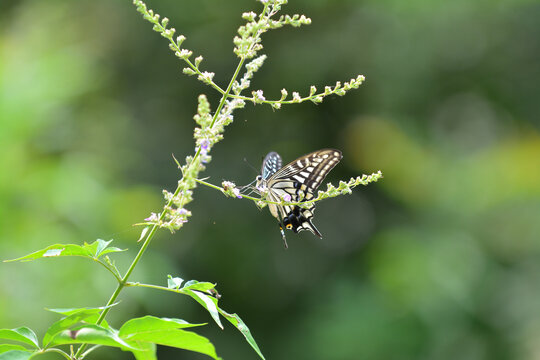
(254, 198)
(56, 351)
(156, 287)
(227, 92)
(117, 276)
(122, 283)
(149, 237)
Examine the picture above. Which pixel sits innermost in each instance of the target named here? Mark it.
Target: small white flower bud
(180, 39)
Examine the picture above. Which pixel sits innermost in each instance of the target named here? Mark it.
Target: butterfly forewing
(309, 170)
(299, 179)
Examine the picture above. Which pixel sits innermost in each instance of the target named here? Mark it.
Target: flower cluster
(343, 188)
(205, 134)
(248, 43)
(175, 44)
(230, 189)
(211, 125)
(251, 69)
(338, 89)
(174, 214)
(258, 97)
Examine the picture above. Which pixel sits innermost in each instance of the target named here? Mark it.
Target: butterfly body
(295, 182)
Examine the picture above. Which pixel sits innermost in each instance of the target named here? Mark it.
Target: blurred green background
(439, 260)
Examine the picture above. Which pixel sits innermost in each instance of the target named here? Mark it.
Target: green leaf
(15, 355)
(147, 351)
(21, 334)
(180, 339)
(174, 283)
(208, 302)
(151, 323)
(71, 311)
(103, 249)
(196, 285)
(240, 325)
(9, 347)
(92, 319)
(143, 233)
(93, 251)
(75, 316)
(56, 250)
(90, 334)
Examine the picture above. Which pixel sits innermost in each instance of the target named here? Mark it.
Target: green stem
(254, 198)
(57, 351)
(89, 351)
(122, 283)
(150, 235)
(191, 65)
(156, 287)
(124, 279)
(285, 102)
(227, 93)
(209, 185)
(196, 69)
(110, 270)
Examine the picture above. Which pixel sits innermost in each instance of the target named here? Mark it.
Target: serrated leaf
(151, 323)
(21, 334)
(240, 325)
(180, 339)
(8, 347)
(208, 302)
(90, 334)
(16, 355)
(74, 317)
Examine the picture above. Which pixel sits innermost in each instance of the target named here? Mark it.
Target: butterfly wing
(300, 179)
(271, 164)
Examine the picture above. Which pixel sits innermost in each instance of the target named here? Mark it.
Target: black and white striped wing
(299, 180)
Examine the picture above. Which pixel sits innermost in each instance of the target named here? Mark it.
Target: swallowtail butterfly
(295, 182)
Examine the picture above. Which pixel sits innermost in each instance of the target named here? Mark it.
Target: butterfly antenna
(251, 166)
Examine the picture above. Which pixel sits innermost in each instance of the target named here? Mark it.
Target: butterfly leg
(283, 236)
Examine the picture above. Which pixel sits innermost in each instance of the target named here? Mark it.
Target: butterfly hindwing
(271, 164)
